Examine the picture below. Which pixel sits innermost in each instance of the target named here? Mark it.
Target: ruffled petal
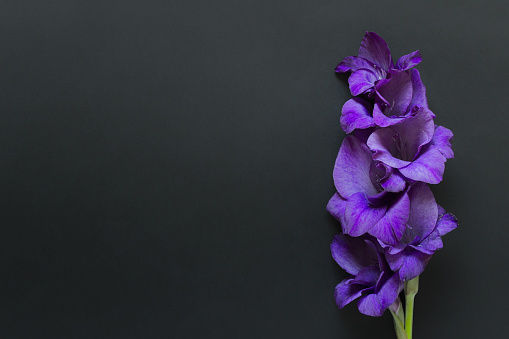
(375, 49)
(356, 114)
(361, 215)
(384, 143)
(430, 244)
(346, 292)
(423, 211)
(352, 254)
(393, 249)
(398, 145)
(353, 63)
(446, 223)
(409, 262)
(362, 81)
(393, 182)
(370, 305)
(415, 132)
(390, 290)
(351, 170)
(368, 276)
(384, 121)
(396, 92)
(336, 207)
(428, 167)
(419, 98)
(391, 226)
(433, 242)
(375, 304)
(408, 61)
(442, 141)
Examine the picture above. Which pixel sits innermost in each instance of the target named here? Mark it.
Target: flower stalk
(411, 288)
(391, 224)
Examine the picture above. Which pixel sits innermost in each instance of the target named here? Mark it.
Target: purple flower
(397, 90)
(427, 222)
(373, 63)
(391, 224)
(415, 147)
(398, 96)
(371, 196)
(372, 281)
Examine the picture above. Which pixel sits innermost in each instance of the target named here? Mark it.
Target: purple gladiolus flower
(427, 222)
(396, 90)
(373, 63)
(415, 147)
(391, 224)
(371, 197)
(398, 96)
(372, 280)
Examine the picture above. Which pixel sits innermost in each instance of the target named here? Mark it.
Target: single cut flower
(372, 280)
(371, 196)
(427, 223)
(391, 224)
(415, 147)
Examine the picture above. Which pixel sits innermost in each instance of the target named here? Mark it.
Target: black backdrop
(165, 166)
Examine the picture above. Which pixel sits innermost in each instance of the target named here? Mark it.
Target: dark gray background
(165, 166)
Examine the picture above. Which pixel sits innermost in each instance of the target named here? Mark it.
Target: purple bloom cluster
(390, 220)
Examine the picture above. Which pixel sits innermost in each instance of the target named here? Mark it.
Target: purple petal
(423, 212)
(408, 61)
(352, 254)
(442, 141)
(396, 92)
(399, 144)
(370, 305)
(353, 63)
(336, 207)
(346, 292)
(351, 170)
(382, 142)
(356, 113)
(419, 98)
(393, 249)
(410, 263)
(375, 49)
(384, 121)
(390, 290)
(360, 215)
(375, 304)
(446, 223)
(362, 81)
(428, 167)
(363, 134)
(393, 181)
(368, 276)
(422, 120)
(430, 244)
(391, 226)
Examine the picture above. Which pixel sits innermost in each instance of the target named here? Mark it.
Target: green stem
(398, 326)
(411, 288)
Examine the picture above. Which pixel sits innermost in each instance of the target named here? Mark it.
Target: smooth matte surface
(165, 166)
